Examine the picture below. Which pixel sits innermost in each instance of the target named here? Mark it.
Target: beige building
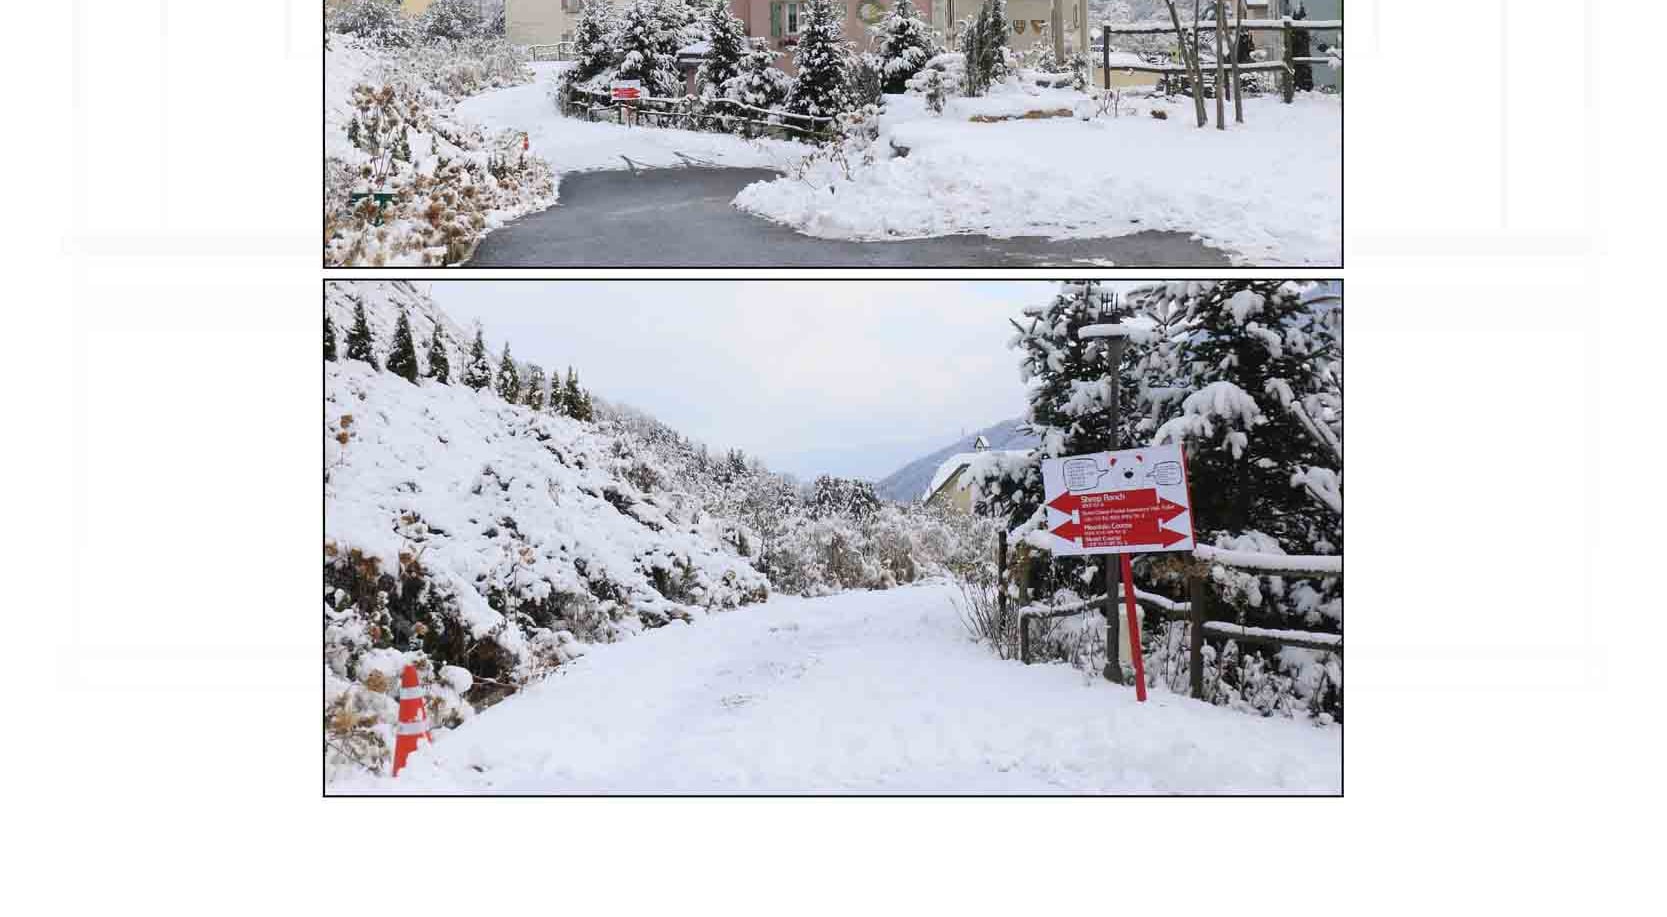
(539, 22)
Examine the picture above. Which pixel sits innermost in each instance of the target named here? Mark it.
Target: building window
(784, 19)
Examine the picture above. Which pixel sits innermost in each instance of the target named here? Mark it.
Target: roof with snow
(955, 463)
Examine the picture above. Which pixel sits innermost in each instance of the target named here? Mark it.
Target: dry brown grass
(1033, 115)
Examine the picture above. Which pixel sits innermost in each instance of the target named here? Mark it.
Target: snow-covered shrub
(405, 182)
(453, 20)
(862, 77)
(944, 74)
(759, 82)
(903, 42)
(932, 87)
(853, 147)
(376, 21)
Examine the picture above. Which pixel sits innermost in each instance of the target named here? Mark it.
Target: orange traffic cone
(413, 718)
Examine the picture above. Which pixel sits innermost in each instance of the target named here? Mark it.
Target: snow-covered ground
(1269, 191)
(862, 692)
(574, 145)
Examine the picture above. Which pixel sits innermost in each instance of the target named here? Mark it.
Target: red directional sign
(1123, 502)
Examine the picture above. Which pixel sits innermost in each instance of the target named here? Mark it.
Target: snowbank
(1269, 191)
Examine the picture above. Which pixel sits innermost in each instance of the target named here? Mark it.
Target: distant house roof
(946, 471)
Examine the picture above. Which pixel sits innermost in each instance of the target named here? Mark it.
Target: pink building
(780, 22)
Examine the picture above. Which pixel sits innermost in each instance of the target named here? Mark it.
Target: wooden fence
(1286, 67)
(1198, 612)
(698, 114)
(557, 51)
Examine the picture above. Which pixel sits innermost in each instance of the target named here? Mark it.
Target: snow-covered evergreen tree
(452, 20)
(402, 359)
(820, 89)
(568, 403)
(329, 339)
(360, 345)
(649, 36)
(478, 373)
(833, 496)
(535, 387)
(1070, 393)
(903, 42)
(726, 47)
(439, 366)
(1253, 388)
(759, 82)
(594, 40)
(509, 379)
(984, 41)
(379, 21)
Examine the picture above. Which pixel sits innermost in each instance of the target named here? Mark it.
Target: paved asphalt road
(682, 218)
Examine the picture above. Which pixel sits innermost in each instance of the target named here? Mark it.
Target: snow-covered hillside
(863, 692)
(493, 537)
(906, 484)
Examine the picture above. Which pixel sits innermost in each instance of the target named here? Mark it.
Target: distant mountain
(907, 483)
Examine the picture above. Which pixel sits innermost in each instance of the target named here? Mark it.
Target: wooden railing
(1197, 612)
(1286, 67)
(697, 114)
(556, 51)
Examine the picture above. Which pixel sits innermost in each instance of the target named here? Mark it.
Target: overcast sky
(853, 378)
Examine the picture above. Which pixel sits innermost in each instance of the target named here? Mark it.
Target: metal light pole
(1115, 335)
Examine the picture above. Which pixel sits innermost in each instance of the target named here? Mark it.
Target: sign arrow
(1071, 530)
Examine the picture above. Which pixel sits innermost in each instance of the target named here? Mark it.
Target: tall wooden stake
(1221, 111)
(1238, 87)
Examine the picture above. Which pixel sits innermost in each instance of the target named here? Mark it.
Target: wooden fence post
(1287, 77)
(1105, 54)
(1198, 593)
(1001, 577)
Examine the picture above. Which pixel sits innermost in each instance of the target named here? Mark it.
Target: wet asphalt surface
(681, 217)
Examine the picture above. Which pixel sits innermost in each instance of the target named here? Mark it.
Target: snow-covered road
(864, 692)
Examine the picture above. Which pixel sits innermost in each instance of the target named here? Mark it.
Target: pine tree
(903, 43)
(439, 367)
(402, 359)
(509, 380)
(360, 345)
(535, 387)
(570, 395)
(726, 46)
(984, 43)
(648, 41)
(329, 339)
(478, 373)
(1252, 388)
(759, 83)
(821, 88)
(594, 39)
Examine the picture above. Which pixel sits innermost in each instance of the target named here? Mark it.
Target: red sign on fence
(626, 90)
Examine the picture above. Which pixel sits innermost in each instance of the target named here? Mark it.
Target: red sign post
(1132, 501)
